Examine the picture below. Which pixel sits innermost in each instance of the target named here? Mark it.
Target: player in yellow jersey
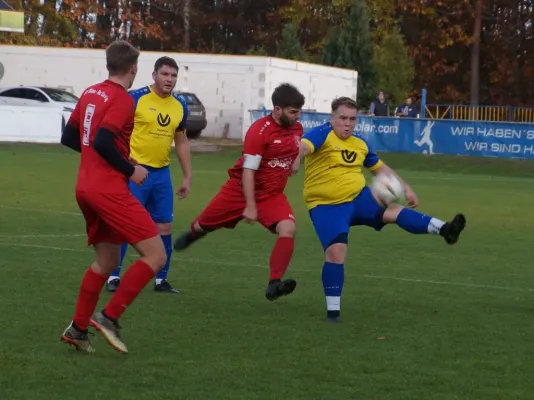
(160, 121)
(338, 198)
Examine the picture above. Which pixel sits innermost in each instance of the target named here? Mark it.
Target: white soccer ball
(388, 188)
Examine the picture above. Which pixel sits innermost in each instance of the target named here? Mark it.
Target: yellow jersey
(156, 121)
(333, 170)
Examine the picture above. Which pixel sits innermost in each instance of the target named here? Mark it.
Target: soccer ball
(388, 189)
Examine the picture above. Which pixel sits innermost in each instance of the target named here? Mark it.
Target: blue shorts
(156, 194)
(332, 220)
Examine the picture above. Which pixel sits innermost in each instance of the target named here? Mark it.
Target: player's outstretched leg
(417, 223)
(139, 274)
(186, 239)
(279, 261)
(94, 279)
(114, 279)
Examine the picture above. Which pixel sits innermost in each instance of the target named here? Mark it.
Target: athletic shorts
(115, 218)
(226, 209)
(156, 194)
(332, 220)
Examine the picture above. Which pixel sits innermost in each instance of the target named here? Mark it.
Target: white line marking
(197, 261)
(38, 246)
(45, 210)
(6, 236)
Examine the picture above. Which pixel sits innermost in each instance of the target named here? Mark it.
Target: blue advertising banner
(428, 136)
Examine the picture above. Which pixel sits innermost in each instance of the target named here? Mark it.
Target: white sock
(113, 277)
(333, 303)
(435, 225)
(158, 281)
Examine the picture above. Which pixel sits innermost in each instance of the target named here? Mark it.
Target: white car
(38, 97)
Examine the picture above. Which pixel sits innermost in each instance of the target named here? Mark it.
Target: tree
(475, 55)
(187, 24)
(394, 66)
(289, 46)
(383, 18)
(350, 46)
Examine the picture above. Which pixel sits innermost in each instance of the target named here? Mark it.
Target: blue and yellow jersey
(334, 168)
(156, 121)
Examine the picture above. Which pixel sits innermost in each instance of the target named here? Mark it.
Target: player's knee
(199, 230)
(164, 228)
(286, 228)
(152, 251)
(391, 214)
(336, 253)
(157, 259)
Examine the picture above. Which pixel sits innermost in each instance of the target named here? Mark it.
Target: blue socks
(333, 279)
(415, 222)
(167, 241)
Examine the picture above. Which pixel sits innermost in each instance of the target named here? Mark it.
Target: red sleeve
(256, 139)
(299, 130)
(119, 114)
(74, 119)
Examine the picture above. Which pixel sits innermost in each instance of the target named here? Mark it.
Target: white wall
(228, 86)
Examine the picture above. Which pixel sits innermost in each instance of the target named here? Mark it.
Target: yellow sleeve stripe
(376, 166)
(310, 145)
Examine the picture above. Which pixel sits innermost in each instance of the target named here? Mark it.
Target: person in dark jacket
(379, 107)
(407, 109)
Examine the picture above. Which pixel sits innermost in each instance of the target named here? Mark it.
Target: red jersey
(107, 105)
(273, 149)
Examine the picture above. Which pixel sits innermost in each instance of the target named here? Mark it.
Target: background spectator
(379, 107)
(407, 109)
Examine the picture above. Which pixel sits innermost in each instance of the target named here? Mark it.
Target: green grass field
(421, 320)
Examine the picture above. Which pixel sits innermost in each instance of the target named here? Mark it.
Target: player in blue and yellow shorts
(160, 120)
(337, 197)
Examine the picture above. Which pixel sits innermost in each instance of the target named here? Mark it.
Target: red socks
(90, 289)
(281, 256)
(134, 280)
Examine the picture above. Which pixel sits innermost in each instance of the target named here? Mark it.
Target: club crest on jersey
(348, 156)
(164, 120)
(297, 140)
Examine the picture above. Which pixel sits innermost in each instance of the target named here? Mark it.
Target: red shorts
(226, 209)
(115, 218)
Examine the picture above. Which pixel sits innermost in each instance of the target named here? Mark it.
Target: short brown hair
(120, 57)
(165, 61)
(343, 101)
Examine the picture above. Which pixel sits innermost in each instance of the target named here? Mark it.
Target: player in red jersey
(255, 189)
(99, 128)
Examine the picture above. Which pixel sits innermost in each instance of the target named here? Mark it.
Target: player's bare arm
(249, 182)
(251, 164)
(413, 201)
(183, 152)
(304, 151)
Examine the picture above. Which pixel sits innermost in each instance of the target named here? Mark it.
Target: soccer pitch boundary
(233, 264)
